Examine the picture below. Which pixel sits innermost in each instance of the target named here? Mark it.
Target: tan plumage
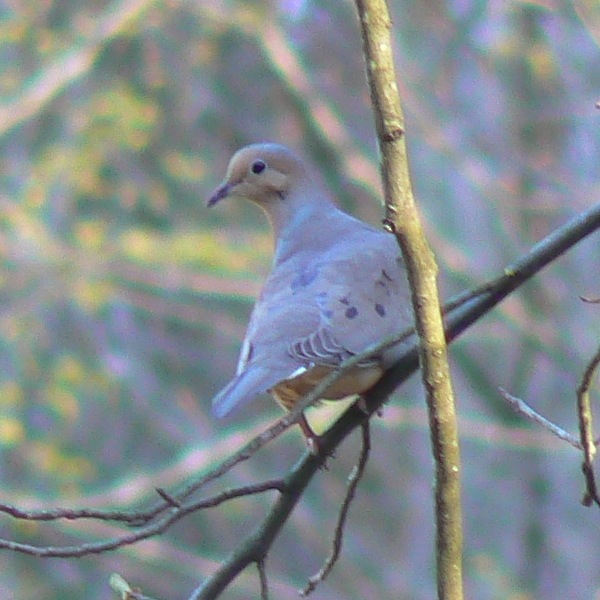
(337, 286)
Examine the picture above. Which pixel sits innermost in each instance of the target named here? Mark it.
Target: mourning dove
(337, 286)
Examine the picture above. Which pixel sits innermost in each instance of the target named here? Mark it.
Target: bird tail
(241, 390)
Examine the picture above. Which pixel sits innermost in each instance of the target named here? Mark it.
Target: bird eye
(258, 166)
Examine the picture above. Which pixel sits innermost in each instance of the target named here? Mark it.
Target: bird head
(262, 173)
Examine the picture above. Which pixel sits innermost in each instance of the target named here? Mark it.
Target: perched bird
(337, 286)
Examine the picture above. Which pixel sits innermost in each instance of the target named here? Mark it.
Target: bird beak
(221, 192)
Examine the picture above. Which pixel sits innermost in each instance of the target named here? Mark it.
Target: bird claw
(313, 441)
(361, 404)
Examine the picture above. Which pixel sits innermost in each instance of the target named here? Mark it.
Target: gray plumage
(337, 285)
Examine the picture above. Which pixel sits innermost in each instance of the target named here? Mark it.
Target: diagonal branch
(175, 513)
(255, 547)
(465, 310)
(468, 308)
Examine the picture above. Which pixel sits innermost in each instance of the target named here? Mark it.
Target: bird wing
(319, 308)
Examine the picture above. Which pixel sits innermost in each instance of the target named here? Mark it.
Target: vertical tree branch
(403, 219)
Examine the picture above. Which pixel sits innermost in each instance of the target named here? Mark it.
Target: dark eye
(258, 166)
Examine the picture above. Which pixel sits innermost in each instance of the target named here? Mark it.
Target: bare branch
(353, 482)
(403, 219)
(586, 441)
(168, 498)
(257, 544)
(524, 409)
(586, 432)
(156, 527)
(264, 581)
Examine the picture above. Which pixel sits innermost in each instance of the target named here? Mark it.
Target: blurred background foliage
(124, 299)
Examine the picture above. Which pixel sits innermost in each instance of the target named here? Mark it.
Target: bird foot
(312, 439)
(361, 404)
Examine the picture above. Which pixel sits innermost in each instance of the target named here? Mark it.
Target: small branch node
(393, 134)
(168, 498)
(388, 225)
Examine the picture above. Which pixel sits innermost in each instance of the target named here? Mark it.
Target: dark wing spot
(380, 310)
(385, 275)
(324, 304)
(351, 312)
(305, 278)
(345, 301)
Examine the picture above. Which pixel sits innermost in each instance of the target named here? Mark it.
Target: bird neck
(297, 222)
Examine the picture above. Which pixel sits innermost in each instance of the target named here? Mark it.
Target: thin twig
(584, 411)
(353, 481)
(156, 527)
(168, 498)
(256, 546)
(515, 274)
(524, 409)
(69, 514)
(263, 579)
